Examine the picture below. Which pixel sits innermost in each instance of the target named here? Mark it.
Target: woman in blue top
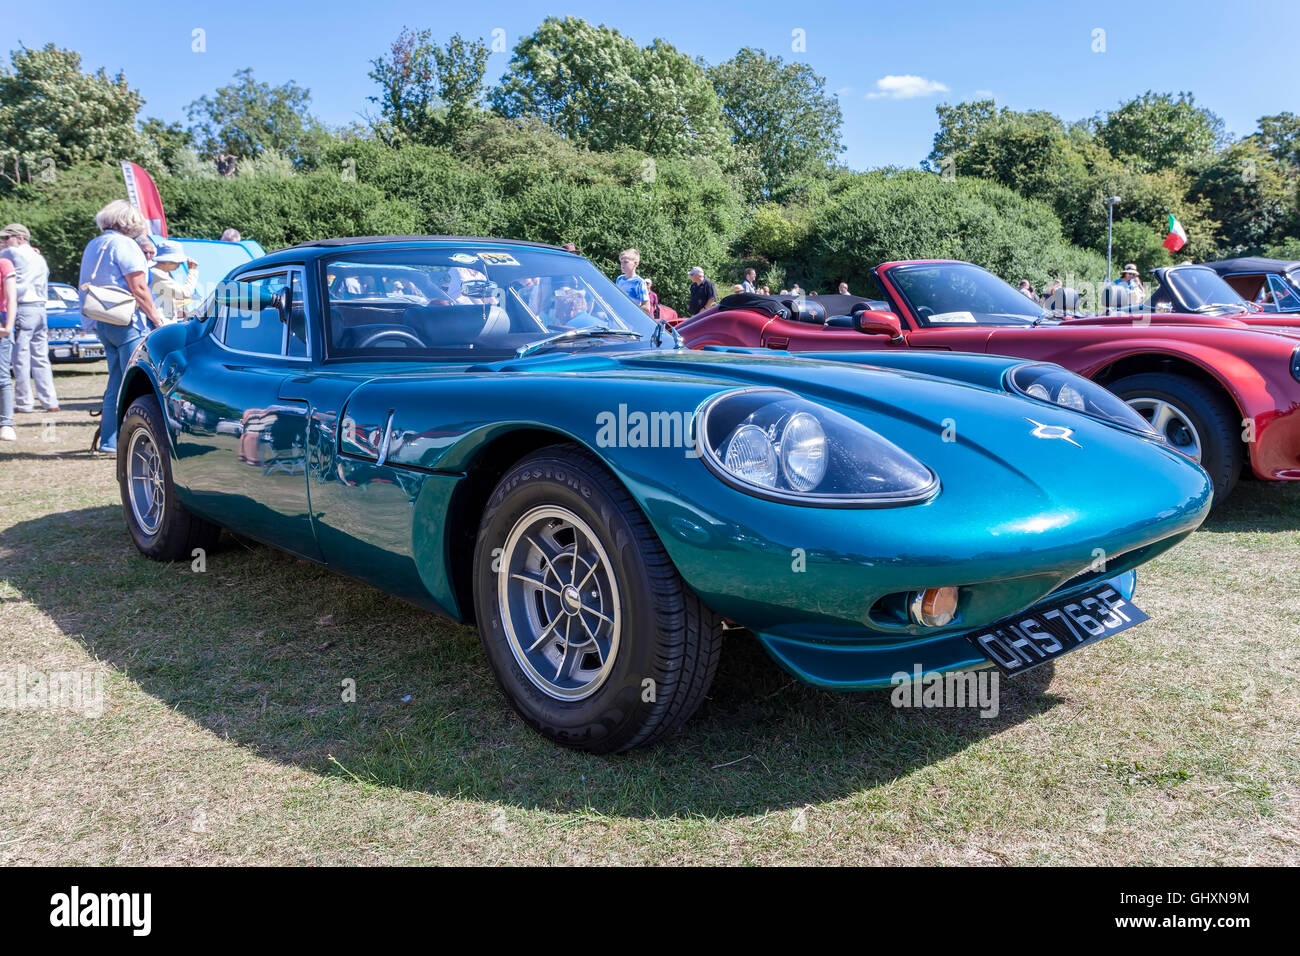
(113, 258)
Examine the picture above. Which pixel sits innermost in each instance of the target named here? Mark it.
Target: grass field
(224, 738)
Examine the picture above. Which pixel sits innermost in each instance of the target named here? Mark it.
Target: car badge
(1053, 431)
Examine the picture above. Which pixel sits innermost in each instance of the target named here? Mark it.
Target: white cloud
(906, 87)
(984, 94)
(844, 91)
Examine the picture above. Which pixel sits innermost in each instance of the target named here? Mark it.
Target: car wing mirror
(250, 297)
(280, 302)
(870, 322)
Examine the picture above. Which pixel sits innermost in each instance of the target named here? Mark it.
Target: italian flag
(1177, 237)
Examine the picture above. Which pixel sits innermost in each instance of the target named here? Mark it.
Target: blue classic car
(491, 430)
(71, 339)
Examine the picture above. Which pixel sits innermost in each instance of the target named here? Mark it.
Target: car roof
(319, 248)
(384, 240)
(1253, 264)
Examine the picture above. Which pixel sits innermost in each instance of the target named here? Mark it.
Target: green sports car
(491, 430)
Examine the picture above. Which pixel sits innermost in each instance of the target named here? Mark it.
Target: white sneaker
(7, 433)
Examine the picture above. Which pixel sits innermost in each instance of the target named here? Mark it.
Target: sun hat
(169, 251)
(1131, 267)
(16, 229)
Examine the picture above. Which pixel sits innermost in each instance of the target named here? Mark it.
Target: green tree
(958, 126)
(172, 141)
(1251, 194)
(1280, 135)
(53, 116)
(596, 86)
(245, 119)
(428, 93)
(1158, 131)
(781, 112)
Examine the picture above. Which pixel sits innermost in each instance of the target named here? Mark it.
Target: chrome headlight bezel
(1089, 392)
(833, 424)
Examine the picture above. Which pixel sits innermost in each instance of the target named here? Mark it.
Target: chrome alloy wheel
(559, 602)
(148, 485)
(1172, 422)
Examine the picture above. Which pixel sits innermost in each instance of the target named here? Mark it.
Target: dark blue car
(70, 341)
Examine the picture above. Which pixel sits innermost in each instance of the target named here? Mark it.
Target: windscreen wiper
(572, 334)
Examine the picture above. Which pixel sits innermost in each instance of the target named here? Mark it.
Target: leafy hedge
(508, 179)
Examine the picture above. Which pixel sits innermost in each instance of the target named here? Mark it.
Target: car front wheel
(592, 634)
(1194, 418)
(161, 527)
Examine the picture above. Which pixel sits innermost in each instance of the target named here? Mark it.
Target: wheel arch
(1146, 362)
(484, 469)
(135, 384)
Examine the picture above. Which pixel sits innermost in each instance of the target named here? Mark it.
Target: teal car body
(380, 466)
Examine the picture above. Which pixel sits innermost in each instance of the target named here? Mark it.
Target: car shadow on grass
(1254, 505)
(261, 648)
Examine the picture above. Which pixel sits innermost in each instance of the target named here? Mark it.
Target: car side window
(297, 343)
(1284, 298)
(252, 321)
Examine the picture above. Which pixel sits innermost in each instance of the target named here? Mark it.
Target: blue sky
(889, 62)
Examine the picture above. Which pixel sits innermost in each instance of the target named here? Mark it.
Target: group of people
(1060, 297)
(126, 257)
(123, 256)
(24, 335)
(703, 293)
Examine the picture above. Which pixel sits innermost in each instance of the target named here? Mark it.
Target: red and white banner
(143, 194)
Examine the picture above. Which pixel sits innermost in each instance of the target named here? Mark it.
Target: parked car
(1221, 391)
(1195, 291)
(71, 337)
(1272, 284)
(515, 444)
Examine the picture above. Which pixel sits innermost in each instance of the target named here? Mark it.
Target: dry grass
(224, 739)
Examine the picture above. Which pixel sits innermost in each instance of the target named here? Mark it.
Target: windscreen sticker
(464, 257)
(952, 318)
(498, 259)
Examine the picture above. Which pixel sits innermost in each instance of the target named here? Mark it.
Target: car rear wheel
(592, 634)
(1194, 418)
(161, 527)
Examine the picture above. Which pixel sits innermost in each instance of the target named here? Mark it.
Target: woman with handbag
(115, 292)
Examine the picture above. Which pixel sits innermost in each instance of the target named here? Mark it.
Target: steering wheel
(406, 337)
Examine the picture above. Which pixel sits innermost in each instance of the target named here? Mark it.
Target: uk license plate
(1043, 633)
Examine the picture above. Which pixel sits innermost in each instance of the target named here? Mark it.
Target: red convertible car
(1221, 391)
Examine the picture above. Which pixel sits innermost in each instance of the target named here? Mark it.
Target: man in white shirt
(31, 358)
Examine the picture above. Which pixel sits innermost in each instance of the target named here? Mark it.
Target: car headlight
(1053, 385)
(772, 443)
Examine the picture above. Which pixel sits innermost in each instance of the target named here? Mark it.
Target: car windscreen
(943, 294)
(470, 303)
(1202, 288)
(61, 297)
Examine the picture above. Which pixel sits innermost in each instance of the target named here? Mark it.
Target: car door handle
(383, 442)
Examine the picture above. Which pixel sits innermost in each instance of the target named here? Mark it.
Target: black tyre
(1196, 419)
(160, 525)
(592, 634)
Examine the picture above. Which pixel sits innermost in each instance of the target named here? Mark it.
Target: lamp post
(1110, 230)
